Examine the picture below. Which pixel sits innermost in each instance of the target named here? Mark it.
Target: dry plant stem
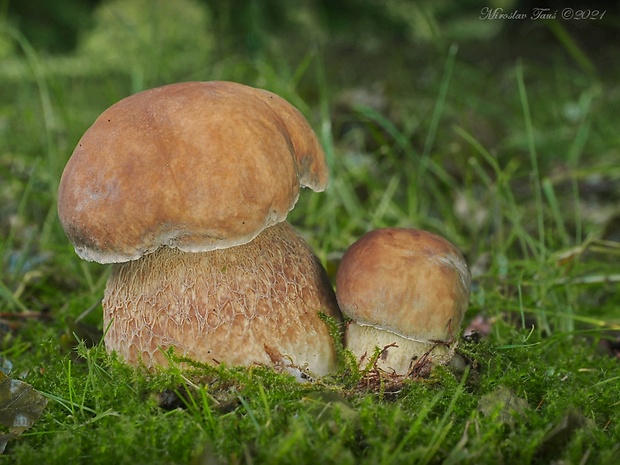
(235, 305)
(400, 353)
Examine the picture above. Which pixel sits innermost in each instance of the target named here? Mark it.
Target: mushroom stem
(399, 353)
(229, 305)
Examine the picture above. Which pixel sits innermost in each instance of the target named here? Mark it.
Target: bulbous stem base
(399, 354)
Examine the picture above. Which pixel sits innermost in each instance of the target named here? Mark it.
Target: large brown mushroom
(406, 292)
(186, 188)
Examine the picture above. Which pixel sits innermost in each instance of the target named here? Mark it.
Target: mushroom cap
(409, 282)
(196, 165)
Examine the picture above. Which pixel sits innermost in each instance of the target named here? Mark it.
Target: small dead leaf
(505, 402)
(20, 406)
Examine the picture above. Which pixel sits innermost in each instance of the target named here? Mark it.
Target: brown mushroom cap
(196, 165)
(405, 284)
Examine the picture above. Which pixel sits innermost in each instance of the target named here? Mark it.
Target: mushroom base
(399, 354)
(257, 303)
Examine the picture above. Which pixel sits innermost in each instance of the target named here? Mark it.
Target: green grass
(513, 160)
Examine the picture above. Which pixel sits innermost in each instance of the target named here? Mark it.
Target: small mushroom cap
(404, 281)
(195, 165)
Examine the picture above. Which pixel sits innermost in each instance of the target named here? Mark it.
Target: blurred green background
(500, 134)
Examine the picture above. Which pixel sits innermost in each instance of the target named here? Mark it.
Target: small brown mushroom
(406, 292)
(186, 188)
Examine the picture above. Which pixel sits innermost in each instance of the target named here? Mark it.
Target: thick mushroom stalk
(406, 292)
(186, 188)
(253, 303)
